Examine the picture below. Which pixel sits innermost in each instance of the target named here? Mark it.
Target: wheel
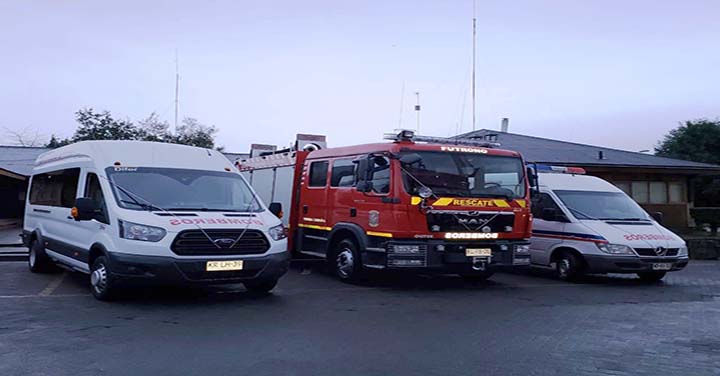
(568, 266)
(477, 276)
(38, 260)
(345, 261)
(651, 277)
(102, 284)
(262, 287)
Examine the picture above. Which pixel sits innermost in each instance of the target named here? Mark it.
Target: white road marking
(53, 285)
(41, 296)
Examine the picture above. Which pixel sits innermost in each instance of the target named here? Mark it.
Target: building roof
(543, 150)
(20, 160)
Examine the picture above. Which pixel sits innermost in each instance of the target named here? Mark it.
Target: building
(658, 184)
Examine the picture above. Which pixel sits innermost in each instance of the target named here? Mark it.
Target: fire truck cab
(443, 205)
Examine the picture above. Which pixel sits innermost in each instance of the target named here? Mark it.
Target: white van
(583, 224)
(131, 211)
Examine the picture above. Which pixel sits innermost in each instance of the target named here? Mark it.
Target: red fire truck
(418, 203)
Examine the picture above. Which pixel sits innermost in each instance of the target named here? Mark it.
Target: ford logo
(224, 242)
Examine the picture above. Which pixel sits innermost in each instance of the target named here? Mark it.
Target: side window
(56, 188)
(94, 191)
(380, 175)
(318, 174)
(343, 173)
(544, 201)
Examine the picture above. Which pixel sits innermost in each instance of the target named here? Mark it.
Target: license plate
(478, 252)
(214, 266)
(662, 266)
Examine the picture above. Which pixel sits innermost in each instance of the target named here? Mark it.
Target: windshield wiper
(202, 209)
(144, 206)
(626, 219)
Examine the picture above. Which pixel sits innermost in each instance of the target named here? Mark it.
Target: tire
(345, 261)
(38, 260)
(569, 267)
(102, 283)
(477, 276)
(651, 277)
(261, 287)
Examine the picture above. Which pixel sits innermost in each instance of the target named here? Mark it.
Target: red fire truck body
(429, 207)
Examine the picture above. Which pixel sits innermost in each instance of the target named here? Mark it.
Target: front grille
(469, 221)
(651, 252)
(195, 243)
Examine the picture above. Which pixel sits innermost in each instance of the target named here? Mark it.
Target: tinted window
(343, 173)
(57, 188)
(601, 205)
(380, 175)
(318, 174)
(94, 191)
(542, 202)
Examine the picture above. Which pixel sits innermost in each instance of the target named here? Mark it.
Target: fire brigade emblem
(373, 218)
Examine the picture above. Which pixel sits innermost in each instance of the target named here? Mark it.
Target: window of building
(675, 192)
(640, 191)
(318, 174)
(658, 192)
(94, 191)
(56, 188)
(625, 187)
(343, 173)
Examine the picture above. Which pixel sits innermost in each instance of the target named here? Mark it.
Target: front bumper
(444, 256)
(170, 270)
(631, 264)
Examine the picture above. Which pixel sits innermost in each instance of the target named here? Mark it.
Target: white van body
(164, 212)
(602, 229)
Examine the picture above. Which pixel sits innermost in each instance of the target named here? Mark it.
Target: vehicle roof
(575, 182)
(398, 146)
(134, 154)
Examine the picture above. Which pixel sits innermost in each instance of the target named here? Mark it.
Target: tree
(154, 129)
(25, 137)
(192, 132)
(102, 126)
(698, 141)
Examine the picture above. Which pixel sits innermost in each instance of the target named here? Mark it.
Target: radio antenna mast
(474, 41)
(177, 89)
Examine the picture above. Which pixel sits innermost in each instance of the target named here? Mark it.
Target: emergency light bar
(559, 169)
(408, 135)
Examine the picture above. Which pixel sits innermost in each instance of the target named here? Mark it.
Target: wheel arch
(564, 248)
(96, 250)
(342, 231)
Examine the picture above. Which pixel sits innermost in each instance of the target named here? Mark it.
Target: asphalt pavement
(516, 324)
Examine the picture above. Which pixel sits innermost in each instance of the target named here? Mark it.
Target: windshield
(143, 188)
(602, 205)
(463, 174)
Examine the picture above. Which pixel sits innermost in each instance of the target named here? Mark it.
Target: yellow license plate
(478, 252)
(214, 266)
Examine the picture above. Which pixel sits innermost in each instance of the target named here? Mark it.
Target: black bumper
(444, 256)
(170, 270)
(620, 264)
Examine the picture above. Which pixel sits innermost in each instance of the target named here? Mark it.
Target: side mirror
(85, 209)
(364, 186)
(657, 216)
(532, 178)
(362, 169)
(551, 214)
(276, 209)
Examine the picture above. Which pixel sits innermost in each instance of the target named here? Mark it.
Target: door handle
(70, 217)
(305, 209)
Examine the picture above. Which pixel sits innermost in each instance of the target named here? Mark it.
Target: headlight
(683, 251)
(277, 232)
(615, 249)
(522, 248)
(135, 231)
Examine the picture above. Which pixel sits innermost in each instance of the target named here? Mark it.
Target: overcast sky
(617, 73)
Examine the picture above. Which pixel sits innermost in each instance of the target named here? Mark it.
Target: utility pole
(474, 42)
(177, 89)
(417, 110)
